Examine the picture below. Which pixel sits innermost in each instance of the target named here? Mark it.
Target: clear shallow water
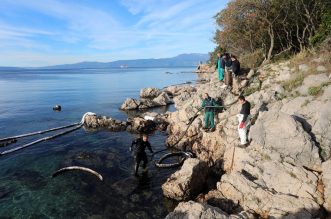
(26, 187)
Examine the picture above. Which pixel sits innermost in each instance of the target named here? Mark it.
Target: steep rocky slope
(285, 171)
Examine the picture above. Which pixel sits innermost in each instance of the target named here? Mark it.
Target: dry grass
(294, 83)
(308, 57)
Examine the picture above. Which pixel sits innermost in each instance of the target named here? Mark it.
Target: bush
(313, 91)
(294, 83)
(324, 29)
(250, 90)
(252, 60)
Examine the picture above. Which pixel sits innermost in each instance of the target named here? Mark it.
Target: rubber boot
(136, 167)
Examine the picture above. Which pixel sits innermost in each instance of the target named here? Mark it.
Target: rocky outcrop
(148, 123)
(280, 132)
(312, 81)
(177, 90)
(149, 93)
(216, 199)
(130, 104)
(204, 68)
(94, 122)
(265, 201)
(280, 174)
(149, 100)
(134, 125)
(196, 210)
(187, 182)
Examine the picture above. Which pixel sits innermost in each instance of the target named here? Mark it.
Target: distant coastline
(183, 60)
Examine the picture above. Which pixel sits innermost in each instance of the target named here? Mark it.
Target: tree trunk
(272, 41)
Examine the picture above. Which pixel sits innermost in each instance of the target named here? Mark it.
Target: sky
(49, 32)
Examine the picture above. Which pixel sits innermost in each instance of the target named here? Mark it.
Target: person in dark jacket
(236, 72)
(235, 65)
(138, 146)
(228, 70)
(220, 66)
(244, 120)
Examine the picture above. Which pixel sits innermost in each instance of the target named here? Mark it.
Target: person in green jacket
(209, 104)
(220, 66)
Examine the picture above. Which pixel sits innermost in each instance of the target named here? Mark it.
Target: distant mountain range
(183, 60)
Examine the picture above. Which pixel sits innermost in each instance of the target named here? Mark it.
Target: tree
(275, 26)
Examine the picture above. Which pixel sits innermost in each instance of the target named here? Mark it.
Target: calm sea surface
(27, 189)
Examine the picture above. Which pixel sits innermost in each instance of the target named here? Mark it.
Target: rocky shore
(285, 170)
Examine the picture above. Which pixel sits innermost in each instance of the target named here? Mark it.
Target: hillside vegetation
(263, 30)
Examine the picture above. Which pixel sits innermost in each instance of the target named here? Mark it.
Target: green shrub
(250, 90)
(315, 90)
(324, 29)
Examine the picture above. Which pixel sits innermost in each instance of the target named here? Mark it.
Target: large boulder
(95, 122)
(280, 132)
(254, 195)
(176, 90)
(130, 104)
(194, 210)
(216, 199)
(186, 182)
(162, 100)
(315, 121)
(149, 92)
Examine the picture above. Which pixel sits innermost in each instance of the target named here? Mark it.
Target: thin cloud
(84, 32)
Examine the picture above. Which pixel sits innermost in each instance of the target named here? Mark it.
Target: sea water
(27, 189)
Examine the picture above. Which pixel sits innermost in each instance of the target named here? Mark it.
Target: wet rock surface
(146, 124)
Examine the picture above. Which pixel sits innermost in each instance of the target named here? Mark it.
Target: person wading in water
(138, 146)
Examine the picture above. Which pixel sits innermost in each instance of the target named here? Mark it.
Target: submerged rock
(186, 182)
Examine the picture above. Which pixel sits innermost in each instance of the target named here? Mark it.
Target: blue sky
(48, 32)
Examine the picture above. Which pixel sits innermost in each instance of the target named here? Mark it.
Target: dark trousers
(138, 158)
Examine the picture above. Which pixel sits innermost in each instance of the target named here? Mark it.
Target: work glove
(241, 125)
